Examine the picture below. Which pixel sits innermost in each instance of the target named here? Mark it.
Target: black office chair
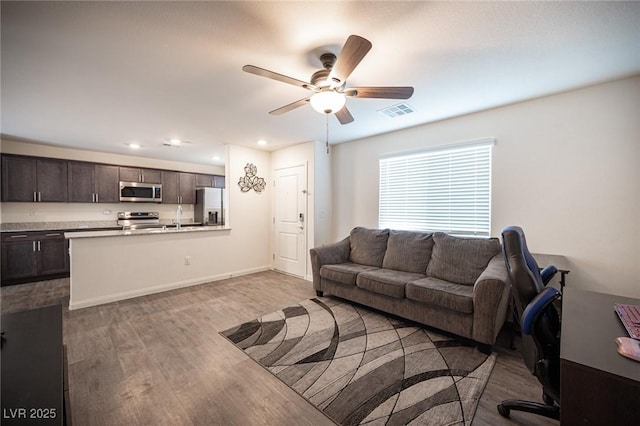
(539, 321)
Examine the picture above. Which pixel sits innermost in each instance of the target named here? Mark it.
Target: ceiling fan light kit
(328, 85)
(328, 101)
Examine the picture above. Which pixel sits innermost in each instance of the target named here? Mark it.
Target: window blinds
(447, 190)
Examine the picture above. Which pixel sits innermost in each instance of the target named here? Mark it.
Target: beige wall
(565, 167)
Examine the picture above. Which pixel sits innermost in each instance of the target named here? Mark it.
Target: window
(444, 189)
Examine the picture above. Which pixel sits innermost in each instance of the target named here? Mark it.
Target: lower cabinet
(31, 256)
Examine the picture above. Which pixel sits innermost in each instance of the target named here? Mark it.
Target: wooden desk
(33, 368)
(597, 385)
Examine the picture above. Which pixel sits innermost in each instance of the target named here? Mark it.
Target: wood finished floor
(159, 359)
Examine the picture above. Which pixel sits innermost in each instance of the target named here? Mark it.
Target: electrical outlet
(187, 261)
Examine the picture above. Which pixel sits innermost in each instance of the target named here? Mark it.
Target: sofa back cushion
(368, 245)
(460, 260)
(408, 251)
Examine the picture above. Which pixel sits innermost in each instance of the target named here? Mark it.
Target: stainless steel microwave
(139, 192)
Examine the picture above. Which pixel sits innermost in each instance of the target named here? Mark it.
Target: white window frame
(445, 188)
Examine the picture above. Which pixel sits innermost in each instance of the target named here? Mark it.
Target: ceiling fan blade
(398, 92)
(287, 108)
(344, 116)
(252, 69)
(352, 53)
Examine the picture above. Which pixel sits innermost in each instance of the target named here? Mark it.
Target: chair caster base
(546, 410)
(504, 411)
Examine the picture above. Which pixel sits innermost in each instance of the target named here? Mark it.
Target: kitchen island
(112, 265)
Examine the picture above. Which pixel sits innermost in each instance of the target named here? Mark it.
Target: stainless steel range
(137, 220)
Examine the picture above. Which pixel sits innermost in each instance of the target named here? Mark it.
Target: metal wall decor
(250, 181)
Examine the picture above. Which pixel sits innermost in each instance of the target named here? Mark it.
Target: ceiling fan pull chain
(327, 142)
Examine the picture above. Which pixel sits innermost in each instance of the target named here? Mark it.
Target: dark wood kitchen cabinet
(31, 256)
(93, 183)
(209, 181)
(33, 179)
(132, 174)
(178, 188)
(218, 181)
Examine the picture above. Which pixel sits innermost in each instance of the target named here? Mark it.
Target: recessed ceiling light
(215, 157)
(134, 146)
(175, 142)
(261, 142)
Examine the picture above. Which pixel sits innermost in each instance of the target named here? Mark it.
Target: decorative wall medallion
(250, 181)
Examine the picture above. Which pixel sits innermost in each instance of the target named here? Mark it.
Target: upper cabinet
(132, 174)
(93, 183)
(33, 179)
(178, 188)
(209, 181)
(218, 181)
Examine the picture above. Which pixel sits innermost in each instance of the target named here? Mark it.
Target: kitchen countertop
(82, 226)
(146, 231)
(57, 226)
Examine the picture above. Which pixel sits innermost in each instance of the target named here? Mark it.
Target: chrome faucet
(178, 216)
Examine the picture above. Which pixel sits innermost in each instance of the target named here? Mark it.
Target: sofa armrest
(329, 254)
(490, 300)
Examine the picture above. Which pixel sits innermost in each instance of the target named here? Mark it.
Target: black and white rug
(362, 367)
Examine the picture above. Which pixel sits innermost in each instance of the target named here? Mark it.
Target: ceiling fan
(329, 84)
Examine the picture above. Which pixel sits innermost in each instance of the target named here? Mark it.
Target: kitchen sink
(172, 228)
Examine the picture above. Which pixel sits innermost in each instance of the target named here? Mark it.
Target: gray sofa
(459, 285)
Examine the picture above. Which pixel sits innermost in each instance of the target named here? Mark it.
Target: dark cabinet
(93, 183)
(187, 185)
(178, 188)
(209, 181)
(204, 180)
(19, 258)
(107, 183)
(218, 181)
(53, 254)
(132, 174)
(34, 369)
(31, 256)
(32, 179)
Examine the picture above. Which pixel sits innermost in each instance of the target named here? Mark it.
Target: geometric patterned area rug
(362, 367)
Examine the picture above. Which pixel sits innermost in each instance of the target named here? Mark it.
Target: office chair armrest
(536, 307)
(547, 273)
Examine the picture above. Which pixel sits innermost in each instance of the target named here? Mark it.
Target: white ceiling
(99, 75)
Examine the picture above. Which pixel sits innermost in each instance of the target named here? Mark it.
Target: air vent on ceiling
(397, 110)
(176, 143)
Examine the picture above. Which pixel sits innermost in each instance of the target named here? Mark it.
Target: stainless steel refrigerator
(209, 208)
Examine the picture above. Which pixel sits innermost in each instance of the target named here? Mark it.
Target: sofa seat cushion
(344, 273)
(460, 260)
(408, 251)
(386, 281)
(368, 246)
(433, 291)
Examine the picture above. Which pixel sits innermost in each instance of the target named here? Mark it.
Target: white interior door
(291, 220)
